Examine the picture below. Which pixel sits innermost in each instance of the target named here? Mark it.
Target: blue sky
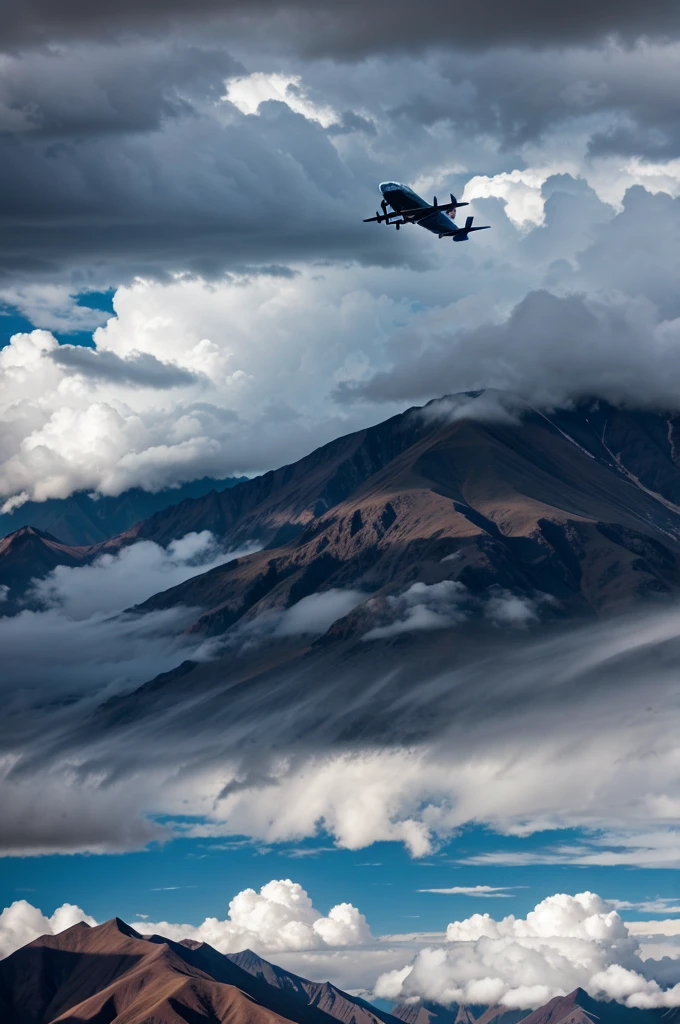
(187, 880)
(212, 180)
(12, 321)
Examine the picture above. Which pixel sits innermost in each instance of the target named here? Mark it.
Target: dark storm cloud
(94, 754)
(551, 350)
(122, 160)
(202, 194)
(353, 27)
(141, 370)
(69, 93)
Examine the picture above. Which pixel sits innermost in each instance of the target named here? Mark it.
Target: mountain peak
(116, 925)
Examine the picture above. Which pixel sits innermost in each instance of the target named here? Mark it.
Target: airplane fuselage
(401, 197)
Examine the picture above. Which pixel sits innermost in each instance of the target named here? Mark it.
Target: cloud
(115, 582)
(139, 369)
(671, 926)
(316, 613)
(612, 350)
(565, 942)
(349, 745)
(20, 923)
(170, 394)
(361, 29)
(424, 606)
(280, 917)
(250, 91)
(483, 891)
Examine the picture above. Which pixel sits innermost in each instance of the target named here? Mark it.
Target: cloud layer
(278, 918)
(566, 942)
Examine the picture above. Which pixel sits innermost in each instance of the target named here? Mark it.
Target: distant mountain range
(82, 520)
(579, 509)
(111, 974)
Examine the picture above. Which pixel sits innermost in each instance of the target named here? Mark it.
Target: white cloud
(278, 918)
(670, 926)
(247, 92)
(565, 942)
(521, 191)
(488, 891)
(316, 613)
(115, 582)
(422, 606)
(21, 923)
(507, 609)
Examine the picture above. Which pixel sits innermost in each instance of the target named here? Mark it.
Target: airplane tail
(461, 235)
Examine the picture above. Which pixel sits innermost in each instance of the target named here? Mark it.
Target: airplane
(414, 210)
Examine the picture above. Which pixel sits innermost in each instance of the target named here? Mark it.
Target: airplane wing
(417, 213)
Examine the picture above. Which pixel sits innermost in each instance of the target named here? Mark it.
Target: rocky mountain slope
(81, 519)
(576, 510)
(580, 507)
(323, 995)
(29, 553)
(111, 974)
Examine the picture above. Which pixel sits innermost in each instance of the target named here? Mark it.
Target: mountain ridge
(112, 974)
(577, 511)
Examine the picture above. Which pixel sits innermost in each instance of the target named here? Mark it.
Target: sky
(187, 288)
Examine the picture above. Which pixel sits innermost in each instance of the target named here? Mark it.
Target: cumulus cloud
(139, 369)
(278, 918)
(249, 91)
(171, 393)
(563, 348)
(565, 942)
(21, 922)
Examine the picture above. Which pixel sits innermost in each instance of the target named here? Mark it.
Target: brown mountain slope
(112, 975)
(575, 1008)
(520, 505)
(580, 505)
(324, 995)
(433, 1013)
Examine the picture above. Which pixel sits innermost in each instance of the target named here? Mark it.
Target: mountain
(29, 553)
(82, 520)
(427, 1012)
(577, 511)
(580, 508)
(575, 1008)
(323, 995)
(111, 974)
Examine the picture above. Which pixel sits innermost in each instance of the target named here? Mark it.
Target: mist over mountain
(84, 519)
(568, 512)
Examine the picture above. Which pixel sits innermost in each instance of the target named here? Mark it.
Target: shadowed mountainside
(81, 519)
(112, 973)
(323, 995)
(582, 507)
